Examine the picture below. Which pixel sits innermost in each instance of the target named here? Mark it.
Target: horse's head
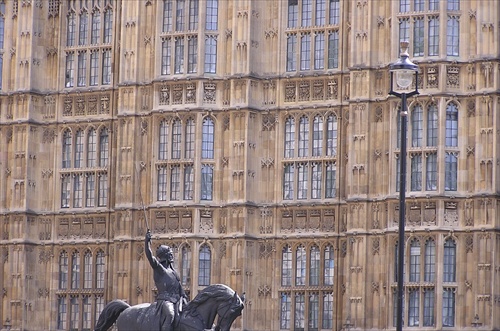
(229, 312)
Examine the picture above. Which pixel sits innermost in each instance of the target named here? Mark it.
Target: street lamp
(404, 70)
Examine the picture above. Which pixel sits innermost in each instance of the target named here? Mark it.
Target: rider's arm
(147, 248)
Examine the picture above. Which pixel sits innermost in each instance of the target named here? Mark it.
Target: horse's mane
(216, 291)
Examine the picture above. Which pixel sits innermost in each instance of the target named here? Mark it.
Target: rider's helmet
(162, 253)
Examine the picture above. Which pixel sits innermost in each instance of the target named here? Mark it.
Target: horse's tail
(110, 314)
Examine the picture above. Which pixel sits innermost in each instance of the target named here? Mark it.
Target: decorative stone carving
(453, 76)
(186, 222)
(191, 93)
(177, 91)
(304, 90)
(430, 213)
(206, 221)
(433, 77)
(268, 122)
(332, 90)
(45, 255)
(290, 91)
(164, 95)
(469, 243)
(266, 249)
(209, 90)
(269, 92)
(159, 223)
(318, 90)
(376, 246)
(450, 213)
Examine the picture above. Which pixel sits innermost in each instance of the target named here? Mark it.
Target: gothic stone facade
(261, 140)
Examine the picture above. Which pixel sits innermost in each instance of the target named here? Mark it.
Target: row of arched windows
(425, 137)
(176, 170)
(309, 160)
(306, 294)
(89, 32)
(420, 279)
(84, 163)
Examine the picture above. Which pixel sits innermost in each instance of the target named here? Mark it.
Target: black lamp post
(404, 70)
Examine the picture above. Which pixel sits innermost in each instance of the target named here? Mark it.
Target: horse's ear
(243, 297)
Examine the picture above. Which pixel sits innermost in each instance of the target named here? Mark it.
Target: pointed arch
(303, 148)
(67, 143)
(289, 137)
(286, 265)
(204, 265)
(451, 126)
(87, 269)
(207, 138)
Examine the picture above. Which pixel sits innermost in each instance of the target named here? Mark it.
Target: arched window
(176, 139)
(186, 265)
(71, 27)
(66, 149)
(75, 270)
(163, 140)
(416, 126)
(91, 148)
(96, 27)
(301, 266)
(63, 271)
(84, 27)
(414, 261)
(207, 143)
(328, 258)
(204, 266)
(207, 181)
(286, 266)
(449, 261)
(317, 136)
(87, 270)
(314, 266)
(451, 125)
(99, 266)
(104, 148)
(108, 23)
(331, 135)
(432, 125)
(303, 136)
(189, 152)
(78, 149)
(289, 137)
(430, 261)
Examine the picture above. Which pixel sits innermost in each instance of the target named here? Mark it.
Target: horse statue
(199, 314)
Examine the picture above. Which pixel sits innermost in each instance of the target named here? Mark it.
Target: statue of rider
(171, 295)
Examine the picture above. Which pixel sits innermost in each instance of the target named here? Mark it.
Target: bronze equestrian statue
(170, 312)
